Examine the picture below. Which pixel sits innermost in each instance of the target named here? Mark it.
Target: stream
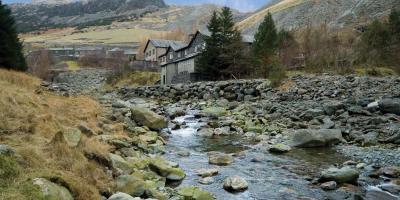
(269, 177)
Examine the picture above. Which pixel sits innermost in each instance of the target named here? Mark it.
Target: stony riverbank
(358, 116)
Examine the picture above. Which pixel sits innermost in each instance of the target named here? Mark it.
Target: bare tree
(39, 63)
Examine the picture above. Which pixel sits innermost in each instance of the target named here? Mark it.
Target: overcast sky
(242, 5)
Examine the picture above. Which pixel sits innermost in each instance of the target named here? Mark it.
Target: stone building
(156, 47)
(178, 64)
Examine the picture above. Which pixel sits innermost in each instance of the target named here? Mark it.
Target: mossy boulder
(279, 148)
(120, 163)
(148, 118)
(149, 137)
(161, 167)
(195, 193)
(51, 190)
(132, 185)
(215, 112)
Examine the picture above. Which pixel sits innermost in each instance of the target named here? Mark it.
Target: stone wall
(236, 90)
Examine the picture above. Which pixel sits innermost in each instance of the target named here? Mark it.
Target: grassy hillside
(90, 36)
(30, 119)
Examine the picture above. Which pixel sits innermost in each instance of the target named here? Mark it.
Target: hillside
(31, 17)
(291, 14)
(185, 18)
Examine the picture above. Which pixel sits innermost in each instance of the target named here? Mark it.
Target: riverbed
(270, 176)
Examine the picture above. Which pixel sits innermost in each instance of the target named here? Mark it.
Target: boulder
(235, 183)
(175, 111)
(148, 118)
(84, 128)
(6, 150)
(121, 196)
(71, 136)
(51, 190)
(331, 185)
(390, 171)
(390, 106)
(206, 180)
(131, 185)
(311, 114)
(120, 163)
(220, 159)
(342, 175)
(374, 193)
(316, 138)
(331, 107)
(215, 112)
(207, 172)
(206, 132)
(279, 148)
(195, 193)
(162, 168)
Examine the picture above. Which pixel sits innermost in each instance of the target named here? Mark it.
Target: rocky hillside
(187, 18)
(339, 13)
(31, 17)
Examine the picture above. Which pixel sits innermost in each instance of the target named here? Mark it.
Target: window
(195, 49)
(186, 52)
(154, 51)
(179, 54)
(171, 56)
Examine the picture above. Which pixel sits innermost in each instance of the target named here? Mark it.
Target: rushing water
(272, 177)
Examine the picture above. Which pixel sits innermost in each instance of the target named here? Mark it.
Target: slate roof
(175, 45)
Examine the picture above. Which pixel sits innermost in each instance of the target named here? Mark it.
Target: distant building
(156, 47)
(62, 52)
(178, 64)
(89, 51)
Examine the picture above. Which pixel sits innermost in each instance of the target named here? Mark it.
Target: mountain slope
(32, 17)
(291, 14)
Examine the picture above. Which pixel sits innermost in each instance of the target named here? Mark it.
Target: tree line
(313, 48)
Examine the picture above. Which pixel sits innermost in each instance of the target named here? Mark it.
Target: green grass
(14, 184)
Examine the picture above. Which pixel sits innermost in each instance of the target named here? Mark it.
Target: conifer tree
(11, 56)
(265, 47)
(231, 56)
(266, 38)
(208, 60)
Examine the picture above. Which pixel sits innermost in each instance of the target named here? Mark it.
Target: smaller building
(156, 47)
(62, 52)
(89, 51)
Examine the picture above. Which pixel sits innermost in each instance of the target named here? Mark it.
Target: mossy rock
(195, 193)
(51, 190)
(132, 185)
(215, 112)
(148, 118)
(161, 167)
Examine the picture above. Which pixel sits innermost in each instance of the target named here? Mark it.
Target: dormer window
(186, 52)
(171, 56)
(179, 54)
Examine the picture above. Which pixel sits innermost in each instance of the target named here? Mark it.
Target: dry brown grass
(253, 19)
(30, 118)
